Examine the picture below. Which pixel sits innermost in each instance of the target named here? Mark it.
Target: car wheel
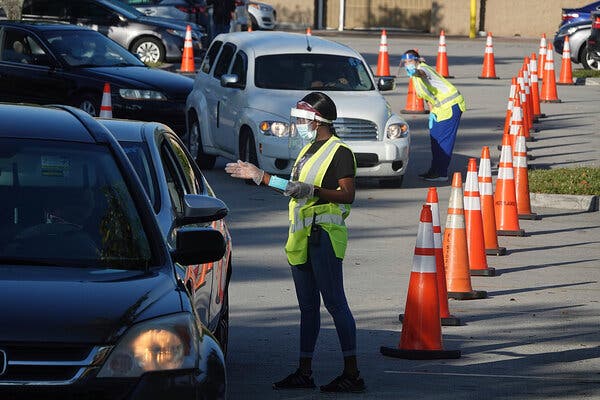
(248, 150)
(392, 183)
(149, 49)
(588, 61)
(89, 103)
(204, 161)
(222, 331)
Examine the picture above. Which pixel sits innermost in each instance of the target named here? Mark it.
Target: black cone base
(551, 101)
(450, 321)
(419, 354)
(532, 216)
(499, 251)
(520, 232)
(542, 115)
(473, 295)
(414, 112)
(488, 77)
(483, 272)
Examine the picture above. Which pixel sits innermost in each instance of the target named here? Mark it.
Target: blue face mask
(410, 70)
(305, 133)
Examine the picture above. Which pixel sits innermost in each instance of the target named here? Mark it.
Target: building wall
(504, 18)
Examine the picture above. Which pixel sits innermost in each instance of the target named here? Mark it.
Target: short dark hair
(323, 104)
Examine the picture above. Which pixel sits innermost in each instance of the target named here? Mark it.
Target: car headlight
(160, 344)
(397, 131)
(275, 128)
(139, 94)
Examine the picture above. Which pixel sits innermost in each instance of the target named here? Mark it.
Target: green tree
(12, 8)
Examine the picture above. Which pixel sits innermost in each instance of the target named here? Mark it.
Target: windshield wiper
(27, 261)
(126, 64)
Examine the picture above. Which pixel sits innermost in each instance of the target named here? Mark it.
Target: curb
(564, 201)
(587, 81)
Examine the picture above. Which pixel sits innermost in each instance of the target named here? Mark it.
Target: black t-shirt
(342, 165)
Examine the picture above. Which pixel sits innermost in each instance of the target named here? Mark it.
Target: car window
(240, 66)
(67, 204)
(175, 183)
(185, 167)
(92, 12)
(80, 48)
(224, 60)
(139, 156)
(48, 8)
(211, 54)
(311, 71)
(19, 47)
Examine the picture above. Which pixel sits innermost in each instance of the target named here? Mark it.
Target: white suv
(249, 81)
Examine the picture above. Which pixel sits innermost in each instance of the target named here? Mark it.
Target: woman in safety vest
(446, 106)
(321, 190)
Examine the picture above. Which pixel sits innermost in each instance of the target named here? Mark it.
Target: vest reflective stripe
(330, 216)
(441, 102)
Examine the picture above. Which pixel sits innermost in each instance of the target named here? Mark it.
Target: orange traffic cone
(548, 94)
(486, 195)
(516, 123)
(489, 65)
(527, 123)
(509, 106)
(535, 88)
(187, 59)
(528, 95)
(521, 179)
(566, 69)
(106, 105)
(446, 318)
(414, 104)
(505, 200)
(542, 59)
(478, 265)
(383, 60)
(456, 253)
(441, 63)
(421, 330)
(249, 28)
(308, 31)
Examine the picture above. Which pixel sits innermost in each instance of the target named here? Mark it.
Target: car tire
(89, 103)
(588, 61)
(149, 49)
(254, 23)
(248, 149)
(392, 183)
(204, 161)
(222, 331)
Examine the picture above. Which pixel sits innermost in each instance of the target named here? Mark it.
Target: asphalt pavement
(536, 336)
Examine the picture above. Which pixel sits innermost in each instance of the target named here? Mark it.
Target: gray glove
(245, 170)
(299, 190)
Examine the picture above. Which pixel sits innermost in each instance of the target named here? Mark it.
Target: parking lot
(534, 337)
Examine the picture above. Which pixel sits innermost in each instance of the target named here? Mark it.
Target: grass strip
(581, 181)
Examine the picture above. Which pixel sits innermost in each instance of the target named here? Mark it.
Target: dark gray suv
(152, 39)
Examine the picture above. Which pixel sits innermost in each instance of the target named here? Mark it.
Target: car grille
(49, 364)
(355, 129)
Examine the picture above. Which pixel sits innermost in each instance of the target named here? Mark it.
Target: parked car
(247, 84)
(262, 16)
(46, 63)
(169, 174)
(593, 42)
(154, 40)
(578, 33)
(91, 305)
(241, 16)
(187, 11)
(580, 14)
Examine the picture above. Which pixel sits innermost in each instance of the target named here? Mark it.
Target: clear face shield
(409, 63)
(303, 126)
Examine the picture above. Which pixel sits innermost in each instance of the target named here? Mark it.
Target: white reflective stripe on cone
(472, 203)
(455, 221)
(506, 173)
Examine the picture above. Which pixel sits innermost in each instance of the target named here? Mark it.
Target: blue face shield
(410, 70)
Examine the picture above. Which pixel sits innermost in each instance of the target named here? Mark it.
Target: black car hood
(173, 85)
(70, 305)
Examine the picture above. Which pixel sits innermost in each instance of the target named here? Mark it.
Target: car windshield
(311, 71)
(66, 204)
(140, 159)
(83, 48)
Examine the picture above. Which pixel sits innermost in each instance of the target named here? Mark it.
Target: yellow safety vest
(304, 212)
(442, 102)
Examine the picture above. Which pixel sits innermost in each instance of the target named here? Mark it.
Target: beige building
(505, 18)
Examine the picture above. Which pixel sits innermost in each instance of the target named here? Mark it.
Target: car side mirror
(198, 208)
(198, 246)
(231, 80)
(385, 83)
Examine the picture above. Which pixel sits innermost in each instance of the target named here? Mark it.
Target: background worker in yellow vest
(446, 106)
(321, 188)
